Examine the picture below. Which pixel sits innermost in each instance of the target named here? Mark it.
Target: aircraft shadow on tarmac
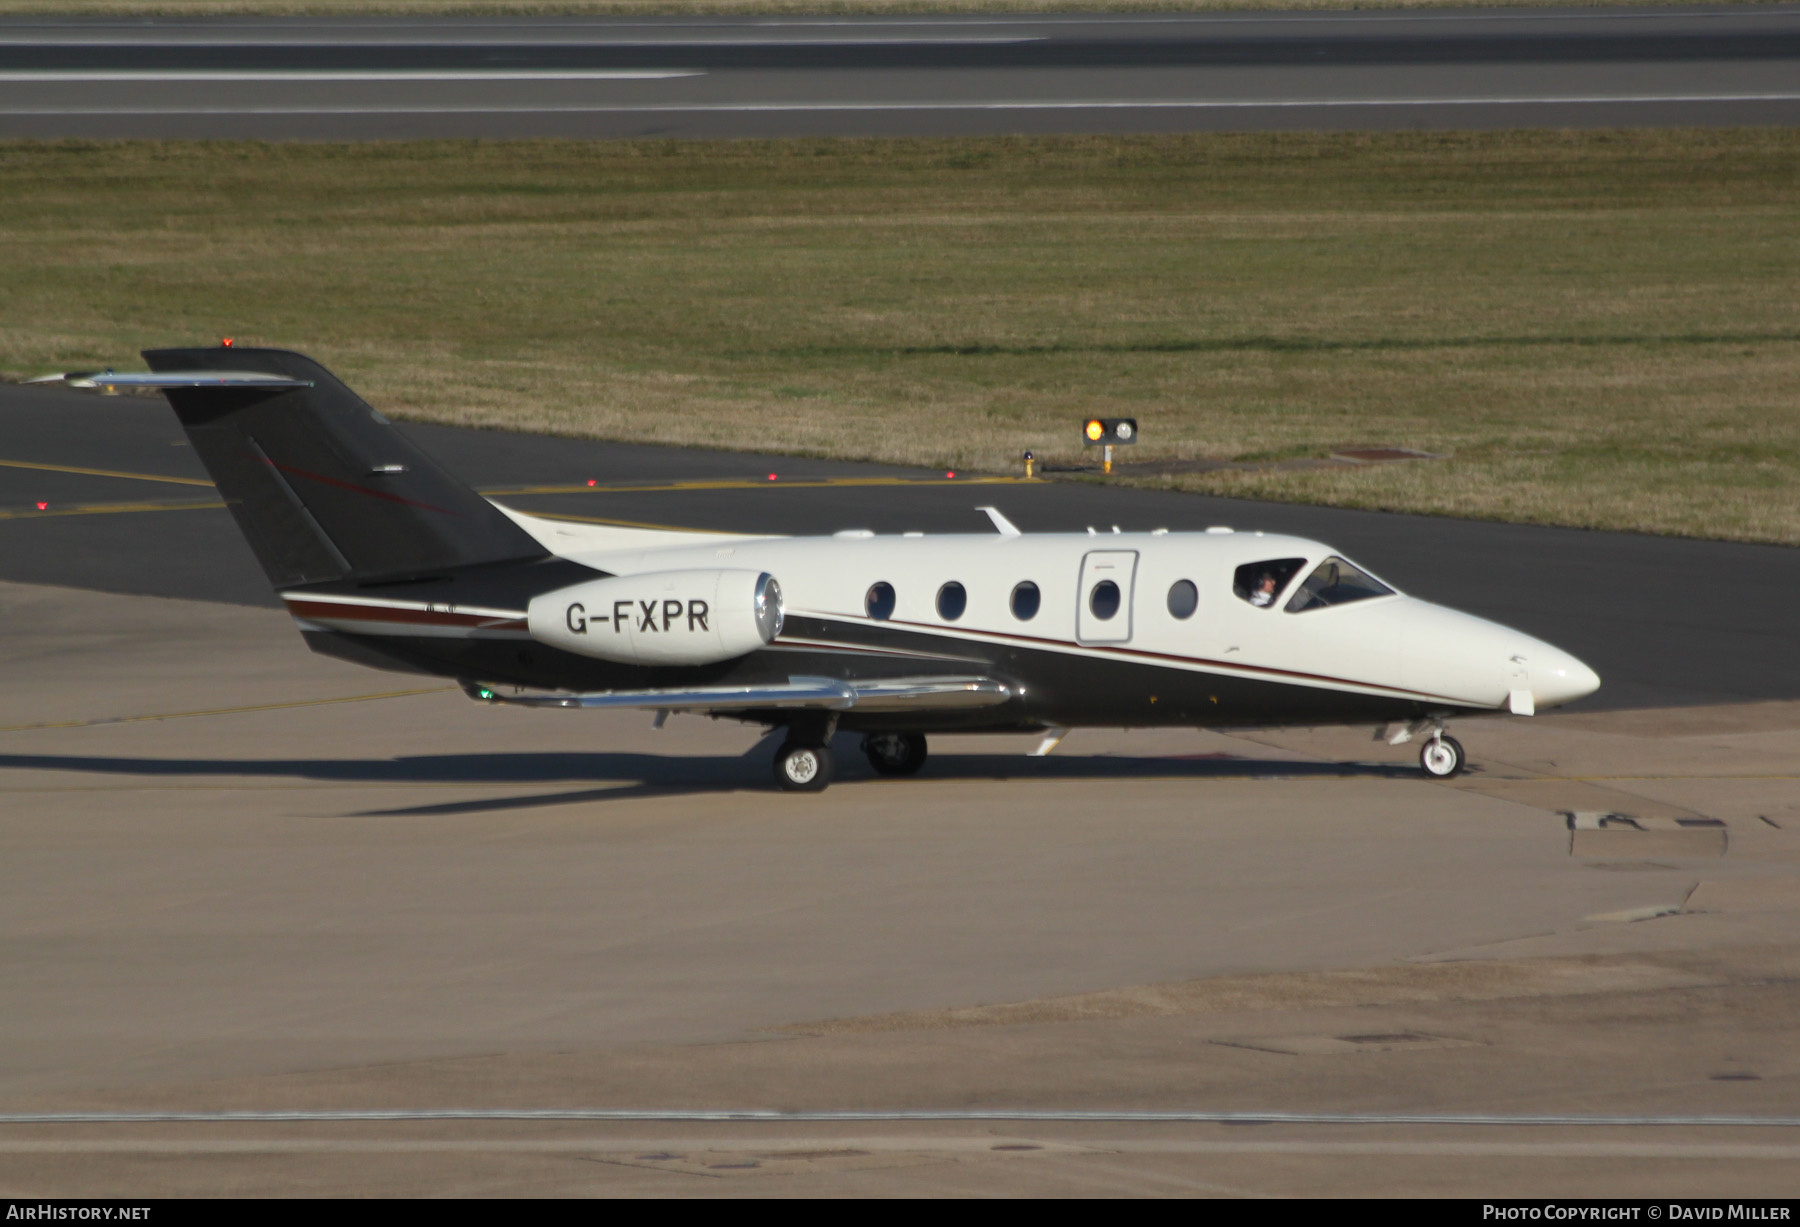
(629, 776)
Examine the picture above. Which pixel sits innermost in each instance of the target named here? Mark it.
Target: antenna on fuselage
(1002, 525)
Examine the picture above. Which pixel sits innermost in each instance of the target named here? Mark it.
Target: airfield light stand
(1104, 433)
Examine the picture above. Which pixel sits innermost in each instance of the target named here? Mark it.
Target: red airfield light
(590, 481)
(225, 341)
(43, 506)
(951, 474)
(771, 477)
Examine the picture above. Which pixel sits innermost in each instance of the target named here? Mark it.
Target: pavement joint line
(1593, 779)
(1044, 1148)
(222, 711)
(897, 1116)
(101, 509)
(86, 472)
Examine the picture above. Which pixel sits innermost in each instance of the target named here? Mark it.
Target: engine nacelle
(661, 617)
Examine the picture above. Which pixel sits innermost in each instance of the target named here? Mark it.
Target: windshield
(1336, 582)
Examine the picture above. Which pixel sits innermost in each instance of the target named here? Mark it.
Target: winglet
(1002, 525)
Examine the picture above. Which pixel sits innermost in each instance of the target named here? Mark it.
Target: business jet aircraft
(384, 558)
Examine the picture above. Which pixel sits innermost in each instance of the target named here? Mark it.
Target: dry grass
(1598, 328)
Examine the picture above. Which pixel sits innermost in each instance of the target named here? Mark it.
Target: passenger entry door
(1104, 612)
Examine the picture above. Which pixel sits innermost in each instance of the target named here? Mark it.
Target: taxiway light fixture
(1107, 431)
(1104, 432)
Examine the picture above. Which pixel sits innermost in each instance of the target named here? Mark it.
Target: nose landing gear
(1442, 757)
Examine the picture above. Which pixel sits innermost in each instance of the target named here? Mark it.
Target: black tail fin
(323, 486)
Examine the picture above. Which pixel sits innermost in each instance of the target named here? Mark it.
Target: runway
(389, 78)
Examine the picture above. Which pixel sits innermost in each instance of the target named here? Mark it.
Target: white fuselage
(1390, 645)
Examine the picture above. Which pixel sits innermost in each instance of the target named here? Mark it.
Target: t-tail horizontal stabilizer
(323, 486)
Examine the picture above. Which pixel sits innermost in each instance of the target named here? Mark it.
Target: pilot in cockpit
(1264, 593)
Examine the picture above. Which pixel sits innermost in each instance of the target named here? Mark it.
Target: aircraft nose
(1557, 677)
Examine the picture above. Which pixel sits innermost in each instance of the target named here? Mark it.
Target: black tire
(895, 753)
(1442, 758)
(802, 768)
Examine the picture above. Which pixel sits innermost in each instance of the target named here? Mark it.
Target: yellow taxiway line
(736, 483)
(818, 483)
(70, 468)
(100, 509)
(223, 711)
(661, 528)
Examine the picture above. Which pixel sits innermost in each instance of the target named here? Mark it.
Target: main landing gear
(895, 753)
(804, 763)
(800, 767)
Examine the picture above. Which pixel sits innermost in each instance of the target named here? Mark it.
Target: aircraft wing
(823, 693)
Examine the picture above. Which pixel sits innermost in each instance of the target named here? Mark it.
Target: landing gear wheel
(1442, 757)
(802, 768)
(895, 753)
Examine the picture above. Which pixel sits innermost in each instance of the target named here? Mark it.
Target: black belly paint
(1057, 688)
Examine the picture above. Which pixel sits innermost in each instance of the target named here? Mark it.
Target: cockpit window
(1261, 582)
(1336, 582)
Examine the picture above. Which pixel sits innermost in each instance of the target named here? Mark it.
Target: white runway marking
(702, 108)
(89, 75)
(952, 40)
(1000, 1115)
(347, 35)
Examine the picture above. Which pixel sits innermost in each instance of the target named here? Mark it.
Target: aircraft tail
(322, 485)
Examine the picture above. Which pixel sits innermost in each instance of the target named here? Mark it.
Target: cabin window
(1184, 598)
(1336, 582)
(1261, 583)
(880, 601)
(1104, 599)
(1025, 601)
(953, 598)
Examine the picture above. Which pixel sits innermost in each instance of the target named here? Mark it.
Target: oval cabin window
(880, 601)
(1025, 601)
(1184, 598)
(952, 600)
(1104, 600)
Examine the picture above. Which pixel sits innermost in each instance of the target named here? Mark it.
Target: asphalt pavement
(128, 509)
(386, 78)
